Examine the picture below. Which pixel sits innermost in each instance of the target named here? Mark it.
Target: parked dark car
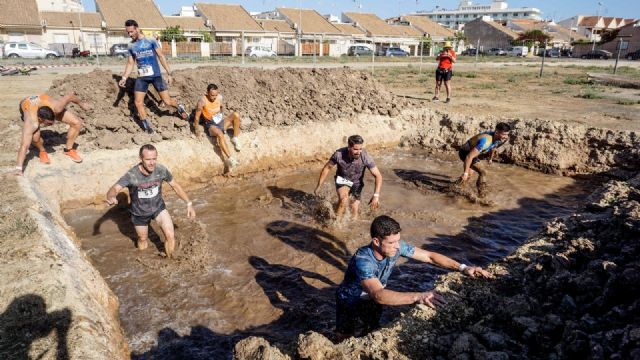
(121, 50)
(471, 52)
(596, 54)
(359, 50)
(633, 55)
(497, 52)
(553, 52)
(395, 51)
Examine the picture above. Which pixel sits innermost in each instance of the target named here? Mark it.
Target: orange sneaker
(44, 157)
(73, 154)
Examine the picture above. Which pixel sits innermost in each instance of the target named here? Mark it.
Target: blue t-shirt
(364, 265)
(144, 53)
(482, 142)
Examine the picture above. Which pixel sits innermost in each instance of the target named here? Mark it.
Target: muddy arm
(111, 194)
(446, 262)
(191, 213)
(376, 194)
(323, 175)
(196, 118)
(127, 71)
(25, 141)
(382, 296)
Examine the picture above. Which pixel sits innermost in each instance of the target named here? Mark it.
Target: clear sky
(551, 9)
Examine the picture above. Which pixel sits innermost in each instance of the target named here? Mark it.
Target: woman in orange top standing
(444, 72)
(42, 110)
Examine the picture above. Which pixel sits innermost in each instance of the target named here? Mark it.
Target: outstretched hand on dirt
(111, 201)
(476, 272)
(432, 299)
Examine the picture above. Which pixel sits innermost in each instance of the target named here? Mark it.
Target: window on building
(466, 16)
(448, 17)
(515, 14)
(525, 14)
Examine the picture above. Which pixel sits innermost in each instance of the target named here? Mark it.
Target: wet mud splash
(262, 259)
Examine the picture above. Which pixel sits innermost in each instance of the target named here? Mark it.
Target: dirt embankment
(573, 291)
(261, 97)
(547, 146)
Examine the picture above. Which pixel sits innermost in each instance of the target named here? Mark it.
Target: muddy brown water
(266, 265)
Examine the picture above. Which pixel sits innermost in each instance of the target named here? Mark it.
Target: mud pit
(260, 262)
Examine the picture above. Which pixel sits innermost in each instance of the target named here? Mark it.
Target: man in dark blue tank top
(147, 55)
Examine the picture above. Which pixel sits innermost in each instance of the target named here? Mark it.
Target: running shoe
(447, 101)
(435, 99)
(146, 125)
(73, 154)
(236, 143)
(233, 162)
(44, 157)
(182, 112)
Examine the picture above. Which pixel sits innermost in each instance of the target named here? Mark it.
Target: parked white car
(28, 50)
(259, 51)
(518, 51)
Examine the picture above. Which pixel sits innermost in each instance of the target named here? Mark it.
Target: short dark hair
(503, 127)
(355, 140)
(46, 113)
(130, 23)
(383, 226)
(146, 147)
(212, 87)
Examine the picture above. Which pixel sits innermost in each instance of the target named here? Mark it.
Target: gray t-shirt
(145, 191)
(352, 169)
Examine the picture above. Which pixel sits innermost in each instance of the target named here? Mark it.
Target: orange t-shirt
(445, 62)
(211, 108)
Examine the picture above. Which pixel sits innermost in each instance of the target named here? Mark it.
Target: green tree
(206, 36)
(529, 37)
(608, 35)
(172, 33)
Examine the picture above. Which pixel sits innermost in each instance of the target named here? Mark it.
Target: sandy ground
(487, 90)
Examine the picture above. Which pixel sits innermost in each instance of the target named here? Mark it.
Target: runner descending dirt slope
(262, 98)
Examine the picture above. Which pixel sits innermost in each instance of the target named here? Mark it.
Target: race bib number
(145, 70)
(217, 118)
(342, 181)
(148, 193)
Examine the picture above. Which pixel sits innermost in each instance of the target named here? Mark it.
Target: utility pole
(593, 47)
(615, 67)
(544, 55)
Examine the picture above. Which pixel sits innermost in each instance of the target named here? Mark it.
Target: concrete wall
(489, 36)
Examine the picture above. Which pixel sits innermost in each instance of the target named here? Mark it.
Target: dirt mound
(572, 292)
(262, 98)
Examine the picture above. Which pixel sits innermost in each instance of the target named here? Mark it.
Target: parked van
(518, 51)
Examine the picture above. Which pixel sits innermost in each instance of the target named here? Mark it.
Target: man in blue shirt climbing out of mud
(146, 53)
(481, 146)
(362, 293)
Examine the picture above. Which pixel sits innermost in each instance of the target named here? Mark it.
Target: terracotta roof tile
(65, 18)
(225, 17)
(188, 23)
(145, 12)
(19, 13)
(311, 22)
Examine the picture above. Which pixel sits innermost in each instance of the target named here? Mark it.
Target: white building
(60, 5)
(468, 11)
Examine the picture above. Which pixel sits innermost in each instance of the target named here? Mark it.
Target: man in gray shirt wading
(145, 189)
(349, 179)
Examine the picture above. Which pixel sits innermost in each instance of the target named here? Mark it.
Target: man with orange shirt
(209, 111)
(444, 72)
(42, 110)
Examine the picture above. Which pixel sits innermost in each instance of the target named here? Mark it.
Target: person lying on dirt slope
(42, 110)
(483, 145)
(349, 179)
(144, 182)
(210, 111)
(362, 293)
(146, 54)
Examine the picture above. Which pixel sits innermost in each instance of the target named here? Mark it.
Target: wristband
(189, 203)
(18, 167)
(466, 173)
(462, 267)
(376, 195)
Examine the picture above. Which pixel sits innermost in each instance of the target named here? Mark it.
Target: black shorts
(142, 84)
(366, 311)
(146, 220)
(443, 74)
(355, 191)
(463, 156)
(210, 123)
